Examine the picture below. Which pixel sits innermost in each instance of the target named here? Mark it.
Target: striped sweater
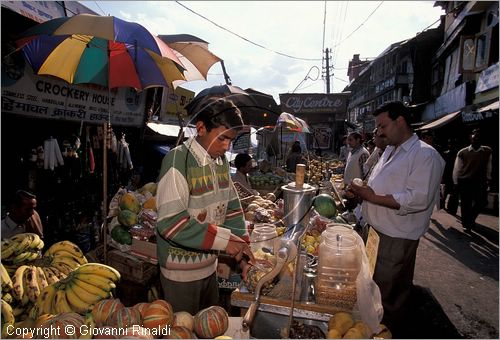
(198, 209)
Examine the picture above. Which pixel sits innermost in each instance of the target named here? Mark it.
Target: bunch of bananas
(6, 284)
(7, 318)
(22, 248)
(79, 291)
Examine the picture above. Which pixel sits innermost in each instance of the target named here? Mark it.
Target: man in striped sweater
(199, 212)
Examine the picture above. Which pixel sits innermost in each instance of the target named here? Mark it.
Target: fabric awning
(492, 106)
(440, 121)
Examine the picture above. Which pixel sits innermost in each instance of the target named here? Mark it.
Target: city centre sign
(313, 103)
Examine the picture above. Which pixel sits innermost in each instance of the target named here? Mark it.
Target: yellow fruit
(354, 333)
(130, 202)
(150, 204)
(334, 334)
(385, 333)
(341, 321)
(363, 328)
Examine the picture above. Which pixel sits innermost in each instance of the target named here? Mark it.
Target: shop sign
(488, 79)
(43, 97)
(174, 103)
(39, 11)
(322, 137)
(476, 116)
(314, 103)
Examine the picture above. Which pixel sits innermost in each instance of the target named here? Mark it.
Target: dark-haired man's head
(22, 206)
(393, 121)
(243, 161)
(217, 125)
(354, 139)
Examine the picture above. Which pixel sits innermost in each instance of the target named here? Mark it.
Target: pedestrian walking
(398, 201)
(472, 175)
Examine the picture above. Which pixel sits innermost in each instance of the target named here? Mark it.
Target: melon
(141, 306)
(211, 322)
(124, 317)
(158, 313)
(184, 319)
(324, 205)
(179, 332)
(130, 202)
(61, 323)
(151, 187)
(127, 218)
(103, 309)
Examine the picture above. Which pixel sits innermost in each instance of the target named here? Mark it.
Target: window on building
(475, 51)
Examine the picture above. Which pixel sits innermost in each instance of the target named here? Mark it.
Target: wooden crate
(131, 267)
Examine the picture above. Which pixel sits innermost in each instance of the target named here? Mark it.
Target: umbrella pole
(105, 191)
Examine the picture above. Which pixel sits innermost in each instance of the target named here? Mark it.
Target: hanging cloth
(52, 153)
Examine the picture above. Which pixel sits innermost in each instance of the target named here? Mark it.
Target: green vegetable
(121, 235)
(324, 205)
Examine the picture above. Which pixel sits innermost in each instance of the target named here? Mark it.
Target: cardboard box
(131, 267)
(145, 250)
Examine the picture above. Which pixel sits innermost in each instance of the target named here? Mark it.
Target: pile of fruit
(317, 170)
(266, 181)
(60, 281)
(135, 214)
(343, 326)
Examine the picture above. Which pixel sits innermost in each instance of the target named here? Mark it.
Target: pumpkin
(141, 306)
(125, 317)
(158, 313)
(179, 332)
(184, 319)
(137, 332)
(211, 322)
(60, 323)
(103, 309)
(42, 318)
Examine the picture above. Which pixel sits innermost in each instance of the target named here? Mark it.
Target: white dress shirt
(412, 176)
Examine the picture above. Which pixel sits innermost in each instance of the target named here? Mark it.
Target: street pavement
(456, 281)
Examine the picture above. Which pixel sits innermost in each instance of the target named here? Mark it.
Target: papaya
(150, 204)
(127, 218)
(121, 235)
(130, 202)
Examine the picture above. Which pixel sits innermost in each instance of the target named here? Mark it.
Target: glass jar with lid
(338, 266)
(262, 237)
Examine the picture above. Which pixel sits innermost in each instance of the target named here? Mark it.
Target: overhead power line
(357, 28)
(247, 40)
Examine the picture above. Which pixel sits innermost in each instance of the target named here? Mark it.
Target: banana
(66, 246)
(65, 253)
(5, 277)
(7, 318)
(44, 301)
(8, 249)
(24, 241)
(71, 262)
(42, 280)
(34, 312)
(7, 297)
(101, 270)
(17, 282)
(96, 280)
(49, 275)
(23, 257)
(77, 304)
(36, 243)
(60, 275)
(25, 298)
(60, 303)
(17, 311)
(84, 295)
(62, 267)
(31, 278)
(94, 290)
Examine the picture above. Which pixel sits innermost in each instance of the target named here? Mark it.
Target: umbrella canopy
(193, 53)
(292, 123)
(100, 50)
(236, 94)
(81, 59)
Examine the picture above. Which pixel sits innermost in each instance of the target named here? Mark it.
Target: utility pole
(327, 69)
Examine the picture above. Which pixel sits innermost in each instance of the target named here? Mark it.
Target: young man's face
(353, 142)
(217, 141)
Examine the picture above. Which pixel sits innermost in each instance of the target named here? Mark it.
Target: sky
(298, 29)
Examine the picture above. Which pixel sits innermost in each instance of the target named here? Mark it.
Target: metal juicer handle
(283, 257)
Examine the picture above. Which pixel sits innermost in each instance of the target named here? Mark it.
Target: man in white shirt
(398, 201)
(356, 158)
(22, 216)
